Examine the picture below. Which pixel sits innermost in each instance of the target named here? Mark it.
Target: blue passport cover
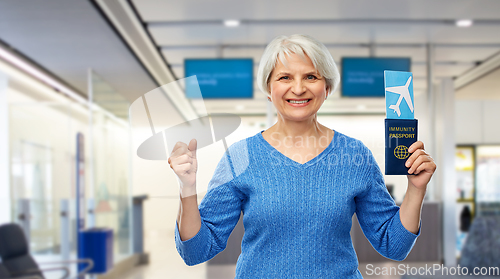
(399, 135)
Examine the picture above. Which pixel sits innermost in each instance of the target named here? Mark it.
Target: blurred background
(75, 77)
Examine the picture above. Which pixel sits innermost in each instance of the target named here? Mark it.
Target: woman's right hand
(183, 161)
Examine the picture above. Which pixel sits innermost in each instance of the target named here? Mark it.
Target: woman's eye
(311, 77)
(283, 77)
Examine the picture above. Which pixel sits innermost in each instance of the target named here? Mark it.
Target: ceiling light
(231, 23)
(48, 80)
(361, 107)
(464, 22)
(6, 55)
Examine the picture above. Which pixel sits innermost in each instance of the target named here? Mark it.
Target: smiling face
(297, 89)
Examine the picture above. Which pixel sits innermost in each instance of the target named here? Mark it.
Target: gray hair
(298, 44)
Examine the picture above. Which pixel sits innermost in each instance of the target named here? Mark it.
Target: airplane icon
(403, 92)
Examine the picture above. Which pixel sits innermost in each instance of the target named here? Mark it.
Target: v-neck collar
(311, 162)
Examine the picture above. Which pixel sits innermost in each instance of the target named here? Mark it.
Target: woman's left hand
(421, 164)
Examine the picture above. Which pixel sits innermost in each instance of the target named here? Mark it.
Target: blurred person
(297, 183)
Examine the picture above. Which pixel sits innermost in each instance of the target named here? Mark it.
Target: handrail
(89, 262)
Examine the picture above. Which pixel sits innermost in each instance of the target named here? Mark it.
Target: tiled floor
(165, 262)
(227, 272)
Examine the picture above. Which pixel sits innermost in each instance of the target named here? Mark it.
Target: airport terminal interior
(94, 94)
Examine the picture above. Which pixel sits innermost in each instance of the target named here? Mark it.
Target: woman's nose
(298, 87)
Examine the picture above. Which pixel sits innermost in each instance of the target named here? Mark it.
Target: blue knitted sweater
(297, 217)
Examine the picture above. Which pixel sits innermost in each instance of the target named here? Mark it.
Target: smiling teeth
(298, 102)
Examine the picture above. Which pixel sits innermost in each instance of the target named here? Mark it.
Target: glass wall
(111, 165)
(465, 206)
(488, 180)
(42, 155)
(43, 128)
(478, 184)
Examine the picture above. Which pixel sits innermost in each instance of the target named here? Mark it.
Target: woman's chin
(298, 117)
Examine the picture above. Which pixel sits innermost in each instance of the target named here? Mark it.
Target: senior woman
(297, 183)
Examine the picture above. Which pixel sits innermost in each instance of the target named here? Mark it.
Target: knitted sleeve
(220, 211)
(378, 216)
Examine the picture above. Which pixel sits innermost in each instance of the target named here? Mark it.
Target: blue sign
(399, 95)
(364, 76)
(220, 78)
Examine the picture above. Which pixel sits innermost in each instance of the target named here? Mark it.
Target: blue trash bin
(96, 244)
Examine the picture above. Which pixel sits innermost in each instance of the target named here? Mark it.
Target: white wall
(42, 128)
(5, 207)
(477, 121)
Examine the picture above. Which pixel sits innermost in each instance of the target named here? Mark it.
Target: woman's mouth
(299, 103)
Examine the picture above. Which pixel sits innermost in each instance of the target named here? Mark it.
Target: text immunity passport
(400, 123)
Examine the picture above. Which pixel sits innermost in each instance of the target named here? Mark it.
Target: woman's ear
(268, 81)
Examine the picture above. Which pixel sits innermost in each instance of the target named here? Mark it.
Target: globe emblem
(401, 152)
